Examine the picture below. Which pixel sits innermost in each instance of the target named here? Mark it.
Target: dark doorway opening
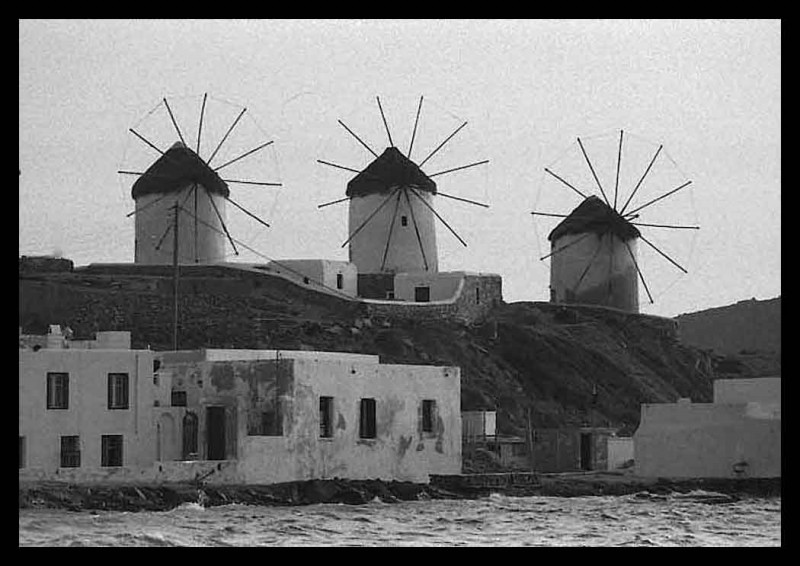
(586, 451)
(215, 433)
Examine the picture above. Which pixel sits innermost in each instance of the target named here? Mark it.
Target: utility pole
(175, 276)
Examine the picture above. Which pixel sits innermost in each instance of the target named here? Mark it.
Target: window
(156, 365)
(367, 419)
(178, 399)
(271, 422)
(339, 281)
(21, 452)
(117, 390)
(70, 452)
(428, 415)
(404, 220)
(477, 296)
(111, 450)
(422, 294)
(326, 417)
(57, 390)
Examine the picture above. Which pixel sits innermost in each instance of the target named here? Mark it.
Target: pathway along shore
(149, 497)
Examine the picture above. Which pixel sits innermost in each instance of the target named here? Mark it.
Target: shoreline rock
(141, 497)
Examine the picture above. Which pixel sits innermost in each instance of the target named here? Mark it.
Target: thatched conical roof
(594, 215)
(390, 169)
(178, 167)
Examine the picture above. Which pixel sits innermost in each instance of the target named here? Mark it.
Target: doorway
(586, 451)
(215, 433)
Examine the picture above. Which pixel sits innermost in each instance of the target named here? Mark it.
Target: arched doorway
(190, 436)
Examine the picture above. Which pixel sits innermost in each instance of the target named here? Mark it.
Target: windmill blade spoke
(549, 214)
(639, 271)
(564, 247)
(602, 192)
(665, 256)
(442, 144)
(655, 200)
(636, 188)
(385, 125)
(588, 265)
(221, 220)
(225, 137)
(619, 161)
(247, 212)
(460, 168)
(200, 127)
(196, 251)
(163, 237)
(338, 166)
(260, 183)
(476, 203)
(262, 146)
(565, 182)
(146, 206)
(145, 140)
(414, 133)
(370, 217)
(416, 194)
(391, 228)
(174, 123)
(358, 138)
(416, 229)
(323, 205)
(671, 226)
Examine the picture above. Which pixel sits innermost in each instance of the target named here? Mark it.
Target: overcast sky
(708, 91)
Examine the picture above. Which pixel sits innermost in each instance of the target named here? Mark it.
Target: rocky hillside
(744, 338)
(525, 359)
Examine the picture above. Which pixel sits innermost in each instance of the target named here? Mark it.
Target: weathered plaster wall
(321, 270)
(88, 415)
(612, 263)
(707, 440)
(443, 286)
(477, 295)
(368, 246)
(758, 390)
(620, 450)
(153, 221)
(401, 451)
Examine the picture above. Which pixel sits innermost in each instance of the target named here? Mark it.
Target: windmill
(392, 215)
(626, 209)
(181, 196)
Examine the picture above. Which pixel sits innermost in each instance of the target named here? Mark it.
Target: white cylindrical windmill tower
(179, 177)
(391, 219)
(593, 258)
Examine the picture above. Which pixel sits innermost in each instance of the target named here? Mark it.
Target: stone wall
(477, 296)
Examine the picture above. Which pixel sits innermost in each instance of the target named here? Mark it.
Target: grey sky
(709, 91)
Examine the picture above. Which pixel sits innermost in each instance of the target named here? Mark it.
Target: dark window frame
(326, 408)
(428, 415)
(339, 281)
(57, 390)
(177, 398)
(118, 395)
(367, 425)
(112, 450)
(422, 294)
(70, 451)
(22, 452)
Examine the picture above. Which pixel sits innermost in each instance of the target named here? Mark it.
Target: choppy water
(492, 521)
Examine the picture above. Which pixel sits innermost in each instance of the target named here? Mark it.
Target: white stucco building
(738, 435)
(99, 411)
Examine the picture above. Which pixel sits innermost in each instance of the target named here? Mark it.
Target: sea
(495, 520)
